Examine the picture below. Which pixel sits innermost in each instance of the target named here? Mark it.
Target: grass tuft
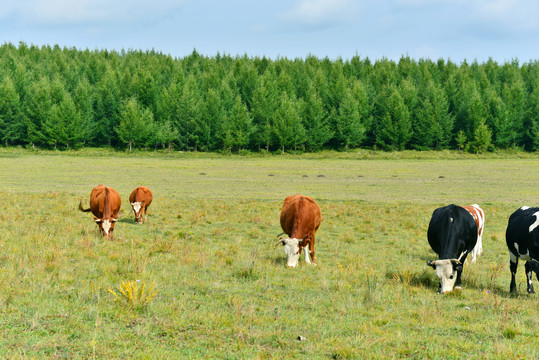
(509, 333)
(135, 297)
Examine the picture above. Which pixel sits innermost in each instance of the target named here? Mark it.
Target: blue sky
(449, 29)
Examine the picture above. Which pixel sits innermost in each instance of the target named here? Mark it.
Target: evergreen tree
(287, 126)
(107, 107)
(169, 110)
(263, 108)
(349, 129)
(433, 123)
(11, 117)
(531, 123)
(38, 106)
(514, 97)
(392, 126)
(212, 117)
(482, 139)
(315, 121)
(238, 126)
(136, 124)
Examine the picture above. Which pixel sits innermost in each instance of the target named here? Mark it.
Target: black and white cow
(522, 237)
(452, 234)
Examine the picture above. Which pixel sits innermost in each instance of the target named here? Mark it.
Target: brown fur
(300, 219)
(105, 203)
(143, 195)
(477, 215)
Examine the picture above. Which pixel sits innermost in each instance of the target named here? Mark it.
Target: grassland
(223, 289)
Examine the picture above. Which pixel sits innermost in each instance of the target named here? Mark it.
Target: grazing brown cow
(300, 219)
(140, 199)
(479, 216)
(105, 203)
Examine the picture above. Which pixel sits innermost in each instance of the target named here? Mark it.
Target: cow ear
(432, 264)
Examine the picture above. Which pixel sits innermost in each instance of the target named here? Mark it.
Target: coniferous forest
(66, 98)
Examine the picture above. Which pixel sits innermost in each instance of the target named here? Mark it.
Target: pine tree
(136, 124)
(287, 126)
(482, 139)
(349, 129)
(11, 117)
(263, 108)
(38, 107)
(239, 125)
(392, 128)
(315, 120)
(433, 124)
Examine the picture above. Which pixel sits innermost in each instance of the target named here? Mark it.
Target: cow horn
(279, 242)
(113, 220)
(98, 220)
(456, 261)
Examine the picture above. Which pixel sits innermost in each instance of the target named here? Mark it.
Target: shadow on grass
(127, 220)
(277, 260)
(425, 278)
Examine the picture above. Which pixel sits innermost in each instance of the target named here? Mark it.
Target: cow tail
(81, 208)
(477, 250)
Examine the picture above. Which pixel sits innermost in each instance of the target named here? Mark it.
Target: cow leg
(307, 260)
(311, 250)
(513, 264)
(458, 282)
(529, 276)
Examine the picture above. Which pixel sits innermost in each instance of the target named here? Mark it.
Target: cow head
(106, 226)
(292, 249)
(137, 209)
(446, 270)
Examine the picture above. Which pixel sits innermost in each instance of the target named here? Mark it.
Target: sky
(421, 29)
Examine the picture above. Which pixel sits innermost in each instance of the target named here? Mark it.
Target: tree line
(66, 98)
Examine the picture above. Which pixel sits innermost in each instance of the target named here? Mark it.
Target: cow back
(300, 215)
(451, 231)
(141, 194)
(523, 230)
(105, 202)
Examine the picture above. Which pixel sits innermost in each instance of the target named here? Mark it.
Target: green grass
(224, 290)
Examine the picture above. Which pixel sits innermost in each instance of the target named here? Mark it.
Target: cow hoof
(458, 287)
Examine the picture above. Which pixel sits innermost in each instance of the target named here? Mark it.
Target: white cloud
(316, 12)
(516, 14)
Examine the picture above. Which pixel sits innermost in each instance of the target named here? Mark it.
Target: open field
(224, 290)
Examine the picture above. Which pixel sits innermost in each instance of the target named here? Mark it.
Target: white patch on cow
(444, 271)
(106, 226)
(451, 219)
(536, 223)
(136, 206)
(524, 208)
(530, 274)
(291, 249)
(522, 256)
